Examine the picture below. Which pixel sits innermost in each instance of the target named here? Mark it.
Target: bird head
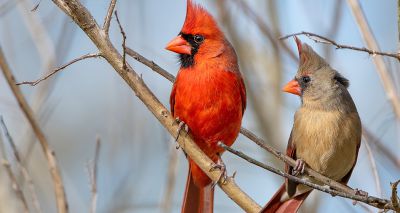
(199, 36)
(314, 78)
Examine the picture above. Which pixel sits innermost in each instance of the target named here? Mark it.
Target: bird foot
(220, 165)
(299, 168)
(361, 193)
(181, 125)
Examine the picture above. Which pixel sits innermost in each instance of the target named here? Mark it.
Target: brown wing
(291, 152)
(346, 178)
(172, 98)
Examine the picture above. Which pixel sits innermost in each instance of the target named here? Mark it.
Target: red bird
(326, 133)
(209, 96)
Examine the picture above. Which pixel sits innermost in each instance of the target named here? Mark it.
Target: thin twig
(82, 17)
(107, 20)
(324, 40)
(150, 64)
(373, 166)
(92, 169)
(48, 152)
(23, 170)
(34, 83)
(15, 185)
(395, 198)
(123, 41)
(370, 41)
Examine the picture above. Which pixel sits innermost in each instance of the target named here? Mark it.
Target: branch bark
(60, 196)
(86, 22)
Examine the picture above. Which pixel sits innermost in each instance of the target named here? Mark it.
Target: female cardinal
(326, 133)
(208, 95)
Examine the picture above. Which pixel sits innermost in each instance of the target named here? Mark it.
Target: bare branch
(107, 20)
(321, 39)
(395, 198)
(123, 41)
(23, 170)
(34, 83)
(365, 199)
(48, 152)
(86, 22)
(92, 170)
(371, 43)
(15, 185)
(150, 64)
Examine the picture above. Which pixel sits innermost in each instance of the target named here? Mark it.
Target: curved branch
(86, 22)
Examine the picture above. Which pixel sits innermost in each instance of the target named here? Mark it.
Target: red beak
(179, 45)
(292, 87)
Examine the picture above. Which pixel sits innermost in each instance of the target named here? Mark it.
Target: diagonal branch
(15, 185)
(34, 83)
(107, 20)
(86, 22)
(48, 152)
(321, 39)
(395, 198)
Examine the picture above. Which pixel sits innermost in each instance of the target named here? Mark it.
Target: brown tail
(197, 199)
(288, 206)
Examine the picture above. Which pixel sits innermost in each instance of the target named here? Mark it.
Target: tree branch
(48, 152)
(86, 22)
(34, 83)
(23, 170)
(395, 198)
(92, 170)
(15, 185)
(107, 20)
(324, 40)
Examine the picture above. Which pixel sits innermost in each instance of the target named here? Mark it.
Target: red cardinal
(208, 95)
(326, 133)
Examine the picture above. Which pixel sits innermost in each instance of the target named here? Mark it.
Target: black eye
(305, 79)
(198, 38)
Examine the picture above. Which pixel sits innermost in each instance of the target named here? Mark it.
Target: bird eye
(198, 38)
(305, 79)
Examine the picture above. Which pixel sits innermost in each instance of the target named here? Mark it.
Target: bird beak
(179, 45)
(292, 87)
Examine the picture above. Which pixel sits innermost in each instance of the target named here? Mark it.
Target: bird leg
(181, 125)
(299, 168)
(220, 165)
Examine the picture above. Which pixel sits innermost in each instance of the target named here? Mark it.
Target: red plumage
(208, 95)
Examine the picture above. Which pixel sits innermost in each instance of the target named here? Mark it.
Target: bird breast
(327, 140)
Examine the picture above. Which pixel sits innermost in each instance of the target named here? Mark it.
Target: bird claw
(299, 168)
(220, 165)
(181, 125)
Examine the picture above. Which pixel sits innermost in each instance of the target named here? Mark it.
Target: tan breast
(327, 140)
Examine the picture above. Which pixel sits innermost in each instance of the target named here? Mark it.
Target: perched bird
(209, 96)
(326, 133)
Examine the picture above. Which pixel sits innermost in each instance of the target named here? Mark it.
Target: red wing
(291, 152)
(172, 98)
(243, 94)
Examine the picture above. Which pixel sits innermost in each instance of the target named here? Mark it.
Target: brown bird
(326, 133)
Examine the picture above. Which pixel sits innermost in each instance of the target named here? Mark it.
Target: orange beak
(179, 45)
(292, 87)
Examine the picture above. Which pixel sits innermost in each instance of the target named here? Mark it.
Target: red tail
(197, 199)
(288, 206)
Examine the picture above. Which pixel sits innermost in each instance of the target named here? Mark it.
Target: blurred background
(139, 169)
